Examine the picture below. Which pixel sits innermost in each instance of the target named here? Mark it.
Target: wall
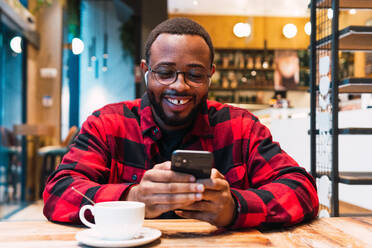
(360, 18)
(117, 83)
(49, 26)
(220, 29)
(152, 13)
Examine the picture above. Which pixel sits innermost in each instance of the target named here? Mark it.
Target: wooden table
(326, 232)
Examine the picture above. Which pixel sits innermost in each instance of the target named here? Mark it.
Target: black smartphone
(197, 163)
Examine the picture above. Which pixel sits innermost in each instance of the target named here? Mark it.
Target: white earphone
(145, 76)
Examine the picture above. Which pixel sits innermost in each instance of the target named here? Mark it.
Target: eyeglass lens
(194, 77)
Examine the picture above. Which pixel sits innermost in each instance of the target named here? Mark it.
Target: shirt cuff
(237, 211)
(250, 209)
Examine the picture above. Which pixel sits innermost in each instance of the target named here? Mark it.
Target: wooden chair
(51, 153)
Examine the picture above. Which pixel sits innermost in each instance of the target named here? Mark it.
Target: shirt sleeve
(280, 194)
(86, 167)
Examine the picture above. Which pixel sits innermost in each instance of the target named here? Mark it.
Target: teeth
(177, 101)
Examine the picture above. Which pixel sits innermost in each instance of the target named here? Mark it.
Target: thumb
(216, 174)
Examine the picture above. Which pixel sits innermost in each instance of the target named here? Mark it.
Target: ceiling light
(242, 29)
(352, 11)
(195, 2)
(308, 28)
(265, 65)
(330, 13)
(77, 46)
(16, 44)
(289, 30)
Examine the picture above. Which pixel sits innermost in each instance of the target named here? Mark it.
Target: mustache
(175, 93)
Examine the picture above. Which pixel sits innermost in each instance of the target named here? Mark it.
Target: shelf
(346, 4)
(355, 131)
(351, 177)
(352, 38)
(356, 85)
(349, 131)
(255, 88)
(242, 69)
(356, 178)
(269, 88)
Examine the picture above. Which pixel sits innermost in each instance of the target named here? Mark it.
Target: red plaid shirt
(118, 143)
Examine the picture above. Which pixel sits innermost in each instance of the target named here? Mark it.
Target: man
(123, 149)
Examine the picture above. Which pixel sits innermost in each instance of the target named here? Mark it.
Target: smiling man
(123, 150)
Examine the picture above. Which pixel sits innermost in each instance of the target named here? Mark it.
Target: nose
(180, 82)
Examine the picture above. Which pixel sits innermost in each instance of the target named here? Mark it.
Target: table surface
(325, 232)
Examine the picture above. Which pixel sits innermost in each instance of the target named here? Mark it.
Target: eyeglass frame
(175, 79)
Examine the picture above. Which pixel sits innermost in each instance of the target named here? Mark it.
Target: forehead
(175, 48)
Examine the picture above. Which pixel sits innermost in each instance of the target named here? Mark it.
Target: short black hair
(178, 25)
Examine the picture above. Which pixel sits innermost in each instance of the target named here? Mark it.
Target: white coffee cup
(115, 220)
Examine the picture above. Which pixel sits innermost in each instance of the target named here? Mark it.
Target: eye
(165, 74)
(196, 75)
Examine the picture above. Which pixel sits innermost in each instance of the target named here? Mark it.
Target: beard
(175, 121)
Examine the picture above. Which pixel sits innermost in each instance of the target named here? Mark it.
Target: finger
(214, 183)
(199, 215)
(169, 199)
(163, 166)
(167, 176)
(155, 188)
(158, 209)
(205, 206)
(216, 174)
(211, 195)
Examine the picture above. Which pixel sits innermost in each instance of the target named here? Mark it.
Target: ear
(213, 70)
(144, 70)
(143, 66)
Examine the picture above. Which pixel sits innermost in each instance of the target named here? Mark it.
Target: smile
(178, 101)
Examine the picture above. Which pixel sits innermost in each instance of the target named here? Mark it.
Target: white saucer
(90, 237)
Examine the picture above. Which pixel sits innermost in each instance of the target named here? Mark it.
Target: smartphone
(197, 163)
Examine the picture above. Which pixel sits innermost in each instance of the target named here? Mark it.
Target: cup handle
(82, 216)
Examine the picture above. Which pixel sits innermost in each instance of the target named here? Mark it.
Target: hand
(217, 206)
(163, 190)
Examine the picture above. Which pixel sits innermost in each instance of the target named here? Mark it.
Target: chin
(177, 120)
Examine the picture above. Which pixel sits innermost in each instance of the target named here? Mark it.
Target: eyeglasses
(195, 77)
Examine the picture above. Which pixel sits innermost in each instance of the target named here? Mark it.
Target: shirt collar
(201, 126)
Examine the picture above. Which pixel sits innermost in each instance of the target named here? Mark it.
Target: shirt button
(155, 131)
(134, 177)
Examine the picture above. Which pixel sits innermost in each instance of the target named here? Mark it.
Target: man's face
(177, 104)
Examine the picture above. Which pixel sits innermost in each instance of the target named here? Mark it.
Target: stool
(50, 155)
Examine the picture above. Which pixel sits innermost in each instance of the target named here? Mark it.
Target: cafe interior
(62, 59)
